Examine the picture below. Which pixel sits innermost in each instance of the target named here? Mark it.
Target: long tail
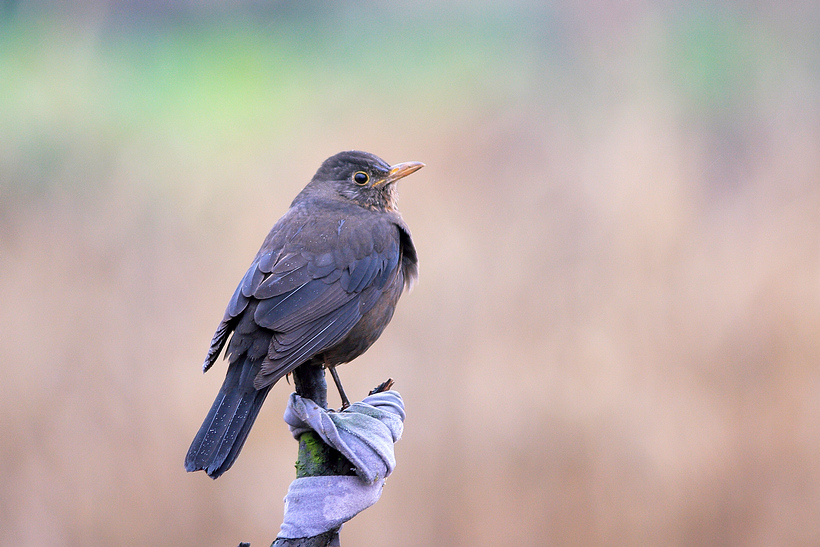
(219, 440)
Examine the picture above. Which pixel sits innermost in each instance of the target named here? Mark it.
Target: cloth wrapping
(364, 433)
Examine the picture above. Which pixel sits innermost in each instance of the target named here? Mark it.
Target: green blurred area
(614, 340)
(212, 80)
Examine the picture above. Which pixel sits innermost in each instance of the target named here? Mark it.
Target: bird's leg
(338, 382)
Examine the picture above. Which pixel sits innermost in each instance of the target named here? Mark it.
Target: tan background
(616, 335)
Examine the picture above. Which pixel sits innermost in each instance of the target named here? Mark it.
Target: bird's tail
(219, 440)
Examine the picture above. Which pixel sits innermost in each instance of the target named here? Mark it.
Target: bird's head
(363, 178)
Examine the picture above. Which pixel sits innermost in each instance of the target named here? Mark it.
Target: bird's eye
(361, 178)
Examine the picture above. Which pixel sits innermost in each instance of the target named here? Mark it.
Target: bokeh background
(615, 339)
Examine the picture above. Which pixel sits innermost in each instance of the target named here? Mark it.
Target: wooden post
(315, 457)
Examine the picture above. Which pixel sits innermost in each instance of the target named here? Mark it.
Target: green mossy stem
(317, 459)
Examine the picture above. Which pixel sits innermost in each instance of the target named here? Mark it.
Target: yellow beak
(401, 170)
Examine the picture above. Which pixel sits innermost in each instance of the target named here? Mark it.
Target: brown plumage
(321, 290)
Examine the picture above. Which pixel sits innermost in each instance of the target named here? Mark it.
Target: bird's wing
(311, 287)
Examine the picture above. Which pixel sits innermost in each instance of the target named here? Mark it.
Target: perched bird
(320, 291)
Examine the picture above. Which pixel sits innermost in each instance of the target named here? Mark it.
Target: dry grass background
(616, 335)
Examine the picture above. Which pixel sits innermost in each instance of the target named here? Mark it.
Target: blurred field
(616, 335)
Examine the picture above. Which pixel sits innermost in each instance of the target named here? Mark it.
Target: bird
(320, 291)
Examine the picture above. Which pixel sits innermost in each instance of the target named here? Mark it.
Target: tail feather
(221, 436)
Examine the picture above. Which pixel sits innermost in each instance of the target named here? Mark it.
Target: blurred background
(616, 334)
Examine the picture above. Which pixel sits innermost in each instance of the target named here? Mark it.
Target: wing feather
(290, 350)
(308, 291)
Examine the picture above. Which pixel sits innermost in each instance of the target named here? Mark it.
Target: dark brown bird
(320, 291)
